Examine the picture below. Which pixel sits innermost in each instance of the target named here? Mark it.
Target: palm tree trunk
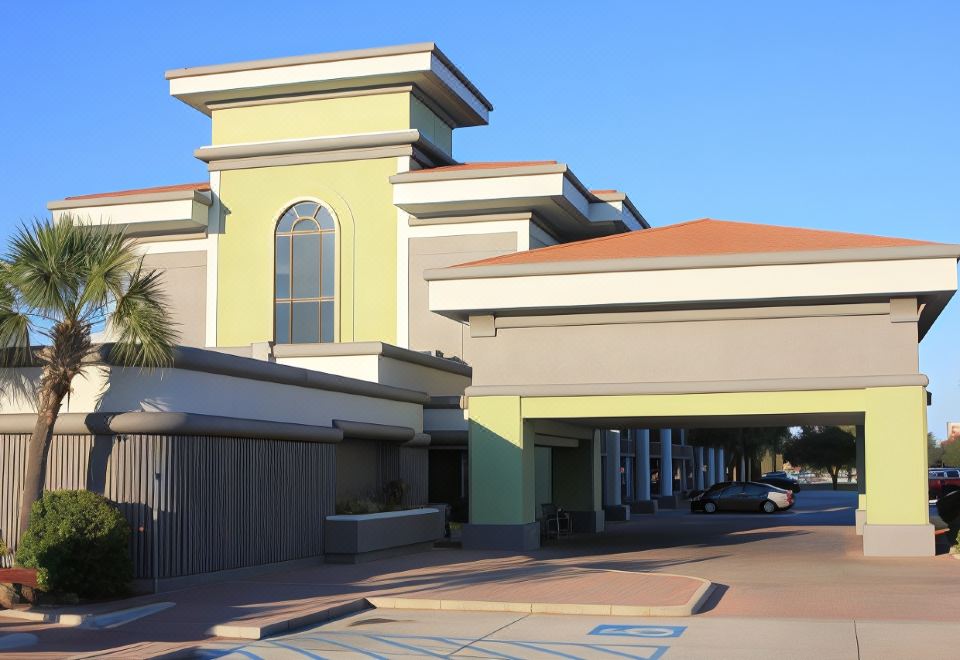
(50, 399)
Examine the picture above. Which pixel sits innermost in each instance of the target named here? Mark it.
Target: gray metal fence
(195, 504)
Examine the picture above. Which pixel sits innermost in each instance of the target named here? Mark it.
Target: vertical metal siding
(194, 504)
(414, 471)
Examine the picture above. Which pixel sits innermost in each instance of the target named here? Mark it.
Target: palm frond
(145, 334)
(15, 326)
(46, 264)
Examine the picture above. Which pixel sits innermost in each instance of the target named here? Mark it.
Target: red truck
(943, 481)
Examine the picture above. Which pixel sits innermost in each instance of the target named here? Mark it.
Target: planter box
(356, 538)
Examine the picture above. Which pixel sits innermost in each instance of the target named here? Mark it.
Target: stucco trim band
(372, 348)
(703, 387)
(173, 423)
(198, 359)
(938, 251)
(671, 316)
(367, 431)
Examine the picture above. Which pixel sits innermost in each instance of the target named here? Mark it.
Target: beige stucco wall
(429, 331)
(706, 350)
(185, 283)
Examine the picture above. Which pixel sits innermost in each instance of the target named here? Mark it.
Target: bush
(78, 542)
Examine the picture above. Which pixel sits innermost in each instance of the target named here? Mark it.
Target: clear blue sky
(836, 115)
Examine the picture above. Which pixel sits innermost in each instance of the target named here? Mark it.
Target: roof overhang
(550, 190)
(149, 213)
(926, 272)
(423, 65)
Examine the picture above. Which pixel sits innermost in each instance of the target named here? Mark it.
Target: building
(331, 328)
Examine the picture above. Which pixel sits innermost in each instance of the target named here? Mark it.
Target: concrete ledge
(860, 519)
(898, 540)
(617, 513)
(355, 538)
(524, 536)
(374, 555)
(644, 506)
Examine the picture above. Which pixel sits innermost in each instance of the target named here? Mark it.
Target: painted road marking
(620, 630)
(17, 641)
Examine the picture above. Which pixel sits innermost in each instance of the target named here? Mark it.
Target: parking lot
(426, 634)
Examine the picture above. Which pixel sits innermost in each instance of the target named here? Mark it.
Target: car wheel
(768, 507)
(709, 507)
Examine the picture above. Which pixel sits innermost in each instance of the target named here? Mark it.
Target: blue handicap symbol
(620, 630)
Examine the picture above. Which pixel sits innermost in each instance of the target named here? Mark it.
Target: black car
(781, 482)
(742, 496)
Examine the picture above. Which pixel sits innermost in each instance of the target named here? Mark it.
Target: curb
(259, 631)
(689, 608)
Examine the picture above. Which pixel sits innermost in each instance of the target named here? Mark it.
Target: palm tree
(61, 280)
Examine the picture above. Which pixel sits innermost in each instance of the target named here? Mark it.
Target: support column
(667, 499)
(898, 520)
(613, 507)
(860, 515)
(684, 480)
(502, 477)
(643, 503)
(611, 477)
(711, 467)
(721, 465)
(742, 472)
(698, 476)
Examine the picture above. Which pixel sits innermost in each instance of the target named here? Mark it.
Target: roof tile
(698, 238)
(203, 185)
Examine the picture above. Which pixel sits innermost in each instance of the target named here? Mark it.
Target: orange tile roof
(485, 166)
(203, 185)
(697, 238)
(600, 192)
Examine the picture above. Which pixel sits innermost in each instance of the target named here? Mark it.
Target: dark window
(305, 275)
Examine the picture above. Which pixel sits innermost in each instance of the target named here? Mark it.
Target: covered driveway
(701, 324)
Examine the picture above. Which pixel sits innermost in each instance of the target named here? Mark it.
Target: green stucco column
(898, 521)
(502, 477)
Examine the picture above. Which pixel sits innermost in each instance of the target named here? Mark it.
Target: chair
(554, 521)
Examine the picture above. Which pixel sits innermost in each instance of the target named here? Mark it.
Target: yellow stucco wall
(335, 116)
(360, 196)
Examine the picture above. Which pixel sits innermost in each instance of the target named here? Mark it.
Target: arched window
(305, 275)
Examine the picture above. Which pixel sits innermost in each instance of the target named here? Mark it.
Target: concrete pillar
(898, 515)
(666, 463)
(698, 476)
(611, 477)
(685, 464)
(742, 472)
(643, 464)
(721, 465)
(711, 467)
(502, 477)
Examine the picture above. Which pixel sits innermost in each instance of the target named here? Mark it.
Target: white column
(721, 465)
(698, 475)
(643, 464)
(666, 462)
(685, 467)
(711, 467)
(611, 477)
(742, 473)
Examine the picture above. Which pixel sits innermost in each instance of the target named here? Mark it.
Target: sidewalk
(255, 607)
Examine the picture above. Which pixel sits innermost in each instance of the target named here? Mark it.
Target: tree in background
(827, 448)
(749, 443)
(934, 451)
(58, 282)
(950, 449)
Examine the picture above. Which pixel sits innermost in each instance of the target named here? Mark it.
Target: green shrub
(78, 542)
(358, 506)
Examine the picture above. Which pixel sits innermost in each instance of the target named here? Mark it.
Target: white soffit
(421, 64)
(459, 298)
(550, 191)
(153, 217)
